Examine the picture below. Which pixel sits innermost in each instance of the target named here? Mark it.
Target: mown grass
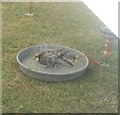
(67, 24)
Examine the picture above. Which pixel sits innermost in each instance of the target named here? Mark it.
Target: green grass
(67, 24)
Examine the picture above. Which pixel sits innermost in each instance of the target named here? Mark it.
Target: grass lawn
(68, 24)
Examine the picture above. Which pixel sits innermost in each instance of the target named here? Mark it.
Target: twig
(67, 61)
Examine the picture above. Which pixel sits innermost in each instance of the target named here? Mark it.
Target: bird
(51, 58)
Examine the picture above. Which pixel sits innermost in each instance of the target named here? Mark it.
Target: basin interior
(26, 58)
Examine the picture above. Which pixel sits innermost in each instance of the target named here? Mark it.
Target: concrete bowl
(61, 74)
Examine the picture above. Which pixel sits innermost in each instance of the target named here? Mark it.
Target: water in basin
(32, 64)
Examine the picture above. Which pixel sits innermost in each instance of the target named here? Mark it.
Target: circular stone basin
(64, 72)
